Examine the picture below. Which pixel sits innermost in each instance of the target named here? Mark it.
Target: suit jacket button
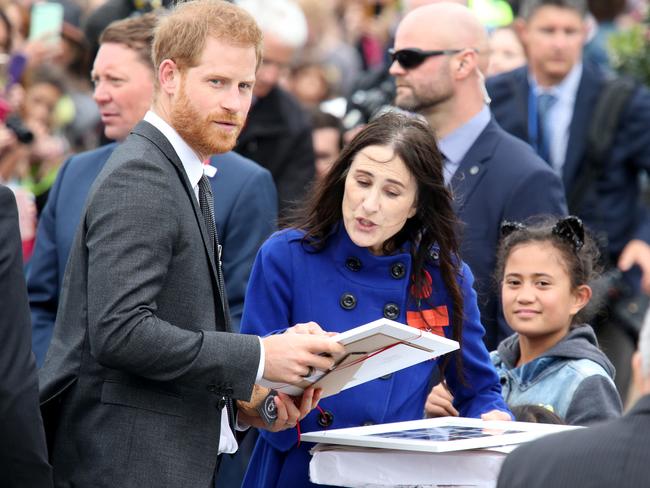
(391, 311)
(397, 271)
(353, 264)
(348, 301)
(325, 418)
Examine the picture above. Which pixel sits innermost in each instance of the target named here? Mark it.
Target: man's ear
(168, 76)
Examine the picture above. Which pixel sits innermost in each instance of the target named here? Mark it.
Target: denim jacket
(574, 378)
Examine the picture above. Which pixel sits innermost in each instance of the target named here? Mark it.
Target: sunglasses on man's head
(413, 57)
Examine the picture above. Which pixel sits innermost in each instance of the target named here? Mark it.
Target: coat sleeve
(595, 400)
(252, 219)
(130, 249)
(478, 391)
(43, 274)
(269, 295)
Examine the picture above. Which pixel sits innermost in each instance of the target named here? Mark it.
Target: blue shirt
(455, 145)
(560, 113)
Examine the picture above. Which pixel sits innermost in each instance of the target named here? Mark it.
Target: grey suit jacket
(133, 383)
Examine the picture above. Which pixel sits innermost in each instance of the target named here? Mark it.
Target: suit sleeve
(23, 455)
(269, 295)
(251, 220)
(130, 245)
(43, 275)
(479, 390)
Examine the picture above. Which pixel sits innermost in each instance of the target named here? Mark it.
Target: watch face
(267, 410)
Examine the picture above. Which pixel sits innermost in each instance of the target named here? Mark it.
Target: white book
(371, 350)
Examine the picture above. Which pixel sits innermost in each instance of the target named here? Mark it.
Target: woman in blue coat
(376, 239)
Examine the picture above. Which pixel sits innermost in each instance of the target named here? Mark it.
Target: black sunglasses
(413, 57)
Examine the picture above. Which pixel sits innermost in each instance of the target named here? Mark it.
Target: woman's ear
(581, 296)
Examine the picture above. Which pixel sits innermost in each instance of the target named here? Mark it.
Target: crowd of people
(198, 196)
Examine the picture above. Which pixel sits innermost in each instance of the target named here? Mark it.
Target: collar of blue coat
(372, 268)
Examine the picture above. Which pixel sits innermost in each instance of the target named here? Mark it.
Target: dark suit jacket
(500, 178)
(140, 359)
(612, 454)
(23, 454)
(246, 213)
(612, 207)
(278, 136)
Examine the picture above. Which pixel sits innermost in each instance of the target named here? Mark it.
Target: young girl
(553, 360)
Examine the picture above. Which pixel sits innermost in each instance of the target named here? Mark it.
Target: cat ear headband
(568, 228)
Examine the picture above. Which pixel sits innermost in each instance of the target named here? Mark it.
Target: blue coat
(614, 208)
(290, 284)
(500, 178)
(245, 212)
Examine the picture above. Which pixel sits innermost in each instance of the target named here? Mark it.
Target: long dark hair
(433, 225)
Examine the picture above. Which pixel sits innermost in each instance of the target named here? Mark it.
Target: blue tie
(545, 102)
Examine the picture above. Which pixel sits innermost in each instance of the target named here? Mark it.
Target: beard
(202, 134)
(423, 99)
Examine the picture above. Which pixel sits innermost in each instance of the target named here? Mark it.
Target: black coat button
(353, 264)
(397, 271)
(325, 418)
(348, 301)
(391, 311)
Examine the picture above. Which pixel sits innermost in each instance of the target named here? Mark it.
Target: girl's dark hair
(434, 223)
(581, 265)
(536, 414)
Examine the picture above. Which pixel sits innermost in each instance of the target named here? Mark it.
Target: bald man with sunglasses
(439, 55)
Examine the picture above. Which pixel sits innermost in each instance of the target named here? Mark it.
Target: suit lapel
(472, 168)
(586, 100)
(148, 131)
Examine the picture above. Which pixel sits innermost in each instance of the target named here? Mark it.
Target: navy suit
(500, 178)
(611, 208)
(245, 213)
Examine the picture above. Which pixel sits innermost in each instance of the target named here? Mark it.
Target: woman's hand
(496, 415)
(440, 402)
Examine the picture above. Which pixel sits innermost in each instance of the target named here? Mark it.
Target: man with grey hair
(610, 454)
(278, 132)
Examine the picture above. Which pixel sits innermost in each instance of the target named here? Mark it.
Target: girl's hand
(496, 415)
(440, 402)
